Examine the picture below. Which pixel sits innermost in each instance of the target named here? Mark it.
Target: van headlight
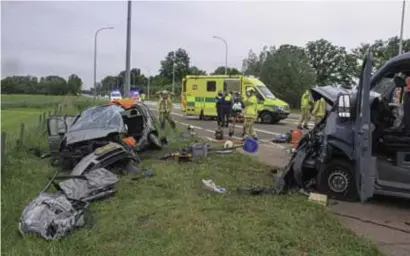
(278, 108)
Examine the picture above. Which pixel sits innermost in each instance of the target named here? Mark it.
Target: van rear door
(365, 164)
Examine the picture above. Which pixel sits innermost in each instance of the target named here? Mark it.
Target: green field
(171, 213)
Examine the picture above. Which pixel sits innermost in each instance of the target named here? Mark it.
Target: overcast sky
(55, 37)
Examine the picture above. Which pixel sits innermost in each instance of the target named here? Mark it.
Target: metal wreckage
(93, 144)
(361, 148)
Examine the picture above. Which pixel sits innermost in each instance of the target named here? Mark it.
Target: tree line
(287, 70)
(49, 85)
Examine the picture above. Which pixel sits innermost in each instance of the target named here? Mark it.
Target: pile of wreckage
(94, 144)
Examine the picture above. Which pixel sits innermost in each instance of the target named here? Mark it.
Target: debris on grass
(211, 186)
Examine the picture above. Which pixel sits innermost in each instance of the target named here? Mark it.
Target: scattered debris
(282, 138)
(219, 133)
(39, 153)
(52, 216)
(210, 185)
(318, 198)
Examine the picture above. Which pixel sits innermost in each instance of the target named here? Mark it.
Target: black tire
(155, 141)
(266, 118)
(337, 180)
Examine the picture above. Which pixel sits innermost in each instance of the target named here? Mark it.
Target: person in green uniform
(306, 104)
(319, 110)
(165, 106)
(250, 113)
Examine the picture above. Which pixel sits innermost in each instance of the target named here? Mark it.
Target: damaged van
(72, 138)
(361, 147)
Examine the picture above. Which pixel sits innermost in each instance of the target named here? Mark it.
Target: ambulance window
(211, 86)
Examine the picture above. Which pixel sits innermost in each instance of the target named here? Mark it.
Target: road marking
(193, 126)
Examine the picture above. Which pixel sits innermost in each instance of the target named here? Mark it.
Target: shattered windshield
(266, 92)
(100, 117)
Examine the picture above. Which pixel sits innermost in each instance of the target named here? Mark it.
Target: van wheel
(336, 179)
(266, 118)
(155, 141)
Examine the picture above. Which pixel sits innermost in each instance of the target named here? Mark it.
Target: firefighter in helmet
(165, 110)
(250, 112)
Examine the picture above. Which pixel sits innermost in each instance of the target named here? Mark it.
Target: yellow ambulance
(198, 96)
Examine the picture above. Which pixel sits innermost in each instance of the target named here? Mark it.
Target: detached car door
(56, 128)
(364, 162)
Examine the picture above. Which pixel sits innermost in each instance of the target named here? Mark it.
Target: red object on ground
(296, 136)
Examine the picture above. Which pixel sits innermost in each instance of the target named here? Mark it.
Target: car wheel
(336, 179)
(155, 141)
(266, 118)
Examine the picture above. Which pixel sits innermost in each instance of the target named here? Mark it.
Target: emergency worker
(226, 108)
(142, 95)
(319, 110)
(236, 111)
(165, 110)
(218, 101)
(306, 104)
(250, 113)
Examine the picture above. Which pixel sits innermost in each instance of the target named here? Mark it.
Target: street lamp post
(128, 53)
(95, 58)
(401, 27)
(226, 52)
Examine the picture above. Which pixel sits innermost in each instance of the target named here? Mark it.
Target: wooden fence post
(39, 119)
(44, 117)
(21, 135)
(3, 147)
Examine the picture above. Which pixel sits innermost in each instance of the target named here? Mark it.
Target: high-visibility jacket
(142, 96)
(251, 104)
(319, 110)
(305, 101)
(165, 105)
(228, 97)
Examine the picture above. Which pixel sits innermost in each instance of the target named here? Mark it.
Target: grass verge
(171, 213)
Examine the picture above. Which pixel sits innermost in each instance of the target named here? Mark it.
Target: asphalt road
(265, 132)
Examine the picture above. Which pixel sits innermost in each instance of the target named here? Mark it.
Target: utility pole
(173, 74)
(127, 84)
(149, 83)
(226, 53)
(401, 27)
(95, 58)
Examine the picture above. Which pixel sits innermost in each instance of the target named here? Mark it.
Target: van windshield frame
(264, 90)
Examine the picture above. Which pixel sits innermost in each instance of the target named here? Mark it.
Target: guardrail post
(3, 147)
(21, 137)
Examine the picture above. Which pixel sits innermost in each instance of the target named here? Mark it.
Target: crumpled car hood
(328, 92)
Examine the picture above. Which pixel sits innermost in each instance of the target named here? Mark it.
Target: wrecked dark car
(361, 147)
(72, 138)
